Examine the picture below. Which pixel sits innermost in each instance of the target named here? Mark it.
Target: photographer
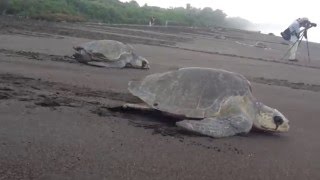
(293, 34)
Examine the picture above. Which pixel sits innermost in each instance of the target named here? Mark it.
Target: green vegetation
(114, 11)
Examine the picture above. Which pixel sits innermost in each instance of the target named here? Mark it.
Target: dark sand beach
(55, 122)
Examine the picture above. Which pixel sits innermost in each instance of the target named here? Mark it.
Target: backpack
(286, 34)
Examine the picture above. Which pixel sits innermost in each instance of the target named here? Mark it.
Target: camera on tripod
(310, 25)
(313, 24)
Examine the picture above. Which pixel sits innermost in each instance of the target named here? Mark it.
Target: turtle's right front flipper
(218, 127)
(116, 64)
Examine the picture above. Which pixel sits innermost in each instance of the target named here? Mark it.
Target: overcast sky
(276, 15)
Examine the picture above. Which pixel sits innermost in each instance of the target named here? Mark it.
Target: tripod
(302, 33)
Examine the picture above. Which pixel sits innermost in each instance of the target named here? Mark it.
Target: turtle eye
(278, 120)
(144, 63)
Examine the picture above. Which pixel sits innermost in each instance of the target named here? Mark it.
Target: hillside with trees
(116, 12)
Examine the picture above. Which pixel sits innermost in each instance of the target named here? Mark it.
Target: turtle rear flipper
(218, 127)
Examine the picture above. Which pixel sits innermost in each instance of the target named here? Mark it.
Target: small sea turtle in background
(110, 54)
(212, 102)
(260, 45)
(219, 36)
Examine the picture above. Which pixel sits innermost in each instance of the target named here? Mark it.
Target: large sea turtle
(110, 54)
(212, 102)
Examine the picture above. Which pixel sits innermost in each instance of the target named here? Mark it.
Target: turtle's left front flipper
(218, 127)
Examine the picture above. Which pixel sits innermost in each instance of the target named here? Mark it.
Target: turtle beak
(145, 64)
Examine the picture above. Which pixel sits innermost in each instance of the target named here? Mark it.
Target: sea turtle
(219, 36)
(212, 102)
(110, 54)
(260, 45)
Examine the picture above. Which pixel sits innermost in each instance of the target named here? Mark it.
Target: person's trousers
(294, 47)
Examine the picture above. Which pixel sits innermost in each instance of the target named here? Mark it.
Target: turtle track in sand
(30, 27)
(245, 57)
(286, 83)
(38, 56)
(102, 103)
(54, 95)
(39, 93)
(22, 88)
(67, 59)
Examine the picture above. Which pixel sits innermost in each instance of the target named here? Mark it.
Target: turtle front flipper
(81, 55)
(116, 64)
(218, 127)
(141, 107)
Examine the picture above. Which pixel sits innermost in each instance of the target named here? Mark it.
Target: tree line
(116, 12)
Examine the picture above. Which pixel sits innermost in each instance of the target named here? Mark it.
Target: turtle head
(140, 62)
(269, 119)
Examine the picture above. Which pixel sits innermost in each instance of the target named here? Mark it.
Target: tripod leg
(309, 60)
(294, 45)
(293, 51)
(291, 46)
